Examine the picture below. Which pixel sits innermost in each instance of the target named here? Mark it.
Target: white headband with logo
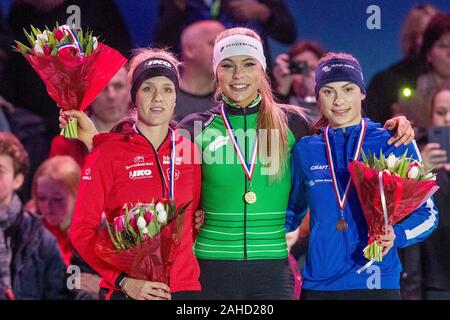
(238, 45)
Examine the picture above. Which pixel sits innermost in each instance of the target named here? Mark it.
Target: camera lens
(299, 67)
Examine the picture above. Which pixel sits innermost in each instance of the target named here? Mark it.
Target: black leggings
(365, 294)
(246, 280)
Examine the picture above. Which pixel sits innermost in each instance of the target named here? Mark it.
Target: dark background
(338, 25)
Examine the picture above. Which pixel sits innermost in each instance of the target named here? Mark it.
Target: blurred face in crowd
(9, 182)
(112, 103)
(198, 44)
(441, 108)
(43, 5)
(422, 25)
(239, 78)
(54, 202)
(155, 101)
(303, 84)
(439, 56)
(340, 103)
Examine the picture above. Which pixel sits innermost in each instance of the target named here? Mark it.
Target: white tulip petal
(159, 207)
(141, 223)
(391, 161)
(413, 173)
(162, 216)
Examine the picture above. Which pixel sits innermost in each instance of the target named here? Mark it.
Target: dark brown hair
(439, 25)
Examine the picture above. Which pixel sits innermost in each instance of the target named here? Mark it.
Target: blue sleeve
(421, 223)
(298, 202)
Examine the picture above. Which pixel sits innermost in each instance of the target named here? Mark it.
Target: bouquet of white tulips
(389, 189)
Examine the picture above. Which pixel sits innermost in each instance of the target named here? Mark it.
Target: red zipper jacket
(124, 168)
(64, 244)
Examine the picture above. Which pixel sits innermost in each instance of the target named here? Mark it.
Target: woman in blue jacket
(321, 182)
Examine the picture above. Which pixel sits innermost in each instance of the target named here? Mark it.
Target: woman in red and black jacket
(136, 167)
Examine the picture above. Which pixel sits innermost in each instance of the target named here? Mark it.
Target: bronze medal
(250, 197)
(341, 225)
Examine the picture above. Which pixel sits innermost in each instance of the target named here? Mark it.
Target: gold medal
(250, 197)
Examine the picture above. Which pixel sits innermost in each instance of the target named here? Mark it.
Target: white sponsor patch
(142, 164)
(176, 173)
(312, 183)
(86, 174)
(151, 63)
(139, 159)
(319, 167)
(166, 160)
(140, 174)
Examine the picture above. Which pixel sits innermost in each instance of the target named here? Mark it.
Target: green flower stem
(70, 131)
(373, 252)
(113, 239)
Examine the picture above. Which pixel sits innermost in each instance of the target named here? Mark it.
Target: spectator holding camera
(294, 76)
(435, 256)
(427, 265)
(433, 156)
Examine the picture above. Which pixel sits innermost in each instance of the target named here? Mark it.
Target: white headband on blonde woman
(237, 45)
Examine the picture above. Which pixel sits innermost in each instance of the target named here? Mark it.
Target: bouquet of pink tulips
(143, 239)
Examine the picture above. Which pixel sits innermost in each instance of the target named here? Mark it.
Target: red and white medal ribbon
(249, 168)
(343, 200)
(73, 37)
(171, 185)
(172, 166)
